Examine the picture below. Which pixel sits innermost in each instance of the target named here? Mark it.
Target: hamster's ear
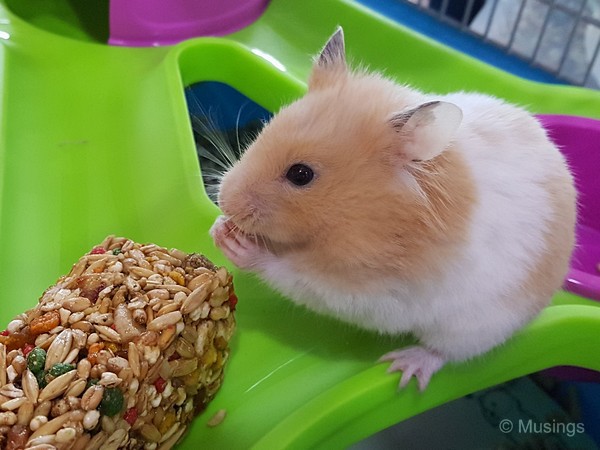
(330, 63)
(425, 131)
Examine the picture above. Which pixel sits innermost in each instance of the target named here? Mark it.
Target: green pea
(36, 359)
(41, 379)
(112, 402)
(59, 369)
(116, 251)
(91, 382)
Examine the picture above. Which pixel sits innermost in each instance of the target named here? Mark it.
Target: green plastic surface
(95, 140)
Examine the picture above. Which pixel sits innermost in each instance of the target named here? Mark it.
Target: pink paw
(417, 361)
(243, 251)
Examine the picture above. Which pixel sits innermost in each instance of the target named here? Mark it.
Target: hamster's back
(524, 220)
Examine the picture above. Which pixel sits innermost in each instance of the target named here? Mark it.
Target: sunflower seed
(169, 307)
(170, 442)
(97, 266)
(181, 367)
(217, 418)
(82, 325)
(195, 299)
(2, 365)
(45, 442)
(133, 357)
(171, 259)
(108, 333)
(141, 272)
(160, 323)
(30, 386)
(76, 304)
(218, 313)
(71, 356)
(64, 316)
(97, 441)
(199, 280)
(11, 391)
(117, 438)
(184, 348)
(12, 404)
(57, 386)
(76, 388)
(50, 427)
(162, 294)
(78, 268)
(81, 442)
(167, 336)
(25, 413)
(98, 318)
(43, 408)
(59, 349)
(150, 432)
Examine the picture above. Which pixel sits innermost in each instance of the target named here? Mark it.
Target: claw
(414, 361)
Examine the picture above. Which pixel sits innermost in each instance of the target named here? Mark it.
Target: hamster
(450, 217)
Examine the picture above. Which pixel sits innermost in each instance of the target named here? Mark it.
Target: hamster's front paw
(417, 361)
(242, 250)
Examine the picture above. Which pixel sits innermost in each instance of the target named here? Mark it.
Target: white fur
(464, 312)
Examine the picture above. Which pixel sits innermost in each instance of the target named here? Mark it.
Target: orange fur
(358, 208)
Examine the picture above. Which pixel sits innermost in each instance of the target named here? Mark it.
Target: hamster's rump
(521, 230)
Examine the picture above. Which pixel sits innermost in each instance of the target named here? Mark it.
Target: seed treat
(121, 353)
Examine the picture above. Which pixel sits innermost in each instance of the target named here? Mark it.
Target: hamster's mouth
(249, 226)
(272, 243)
(241, 226)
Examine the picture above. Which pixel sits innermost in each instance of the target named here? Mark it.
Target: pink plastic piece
(579, 140)
(144, 23)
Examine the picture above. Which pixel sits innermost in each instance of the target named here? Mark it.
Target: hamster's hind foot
(417, 361)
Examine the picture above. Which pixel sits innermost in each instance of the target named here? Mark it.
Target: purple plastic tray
(145, 23)
(579, 140)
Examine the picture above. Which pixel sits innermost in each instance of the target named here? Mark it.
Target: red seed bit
(160, 385)
(131, 416)
(4, 333)
(98, 250)
(232, 301)
(27, 349)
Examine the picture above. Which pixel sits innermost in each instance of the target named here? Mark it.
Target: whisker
(237, 127)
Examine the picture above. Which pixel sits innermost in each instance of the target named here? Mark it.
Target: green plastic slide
(96, 140)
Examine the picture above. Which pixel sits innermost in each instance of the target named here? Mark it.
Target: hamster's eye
(300, 174)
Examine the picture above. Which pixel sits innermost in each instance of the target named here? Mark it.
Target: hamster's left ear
(330, 63)
(425, 131)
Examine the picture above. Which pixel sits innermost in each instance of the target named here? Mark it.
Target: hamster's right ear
(330, 63)
(425, 131)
